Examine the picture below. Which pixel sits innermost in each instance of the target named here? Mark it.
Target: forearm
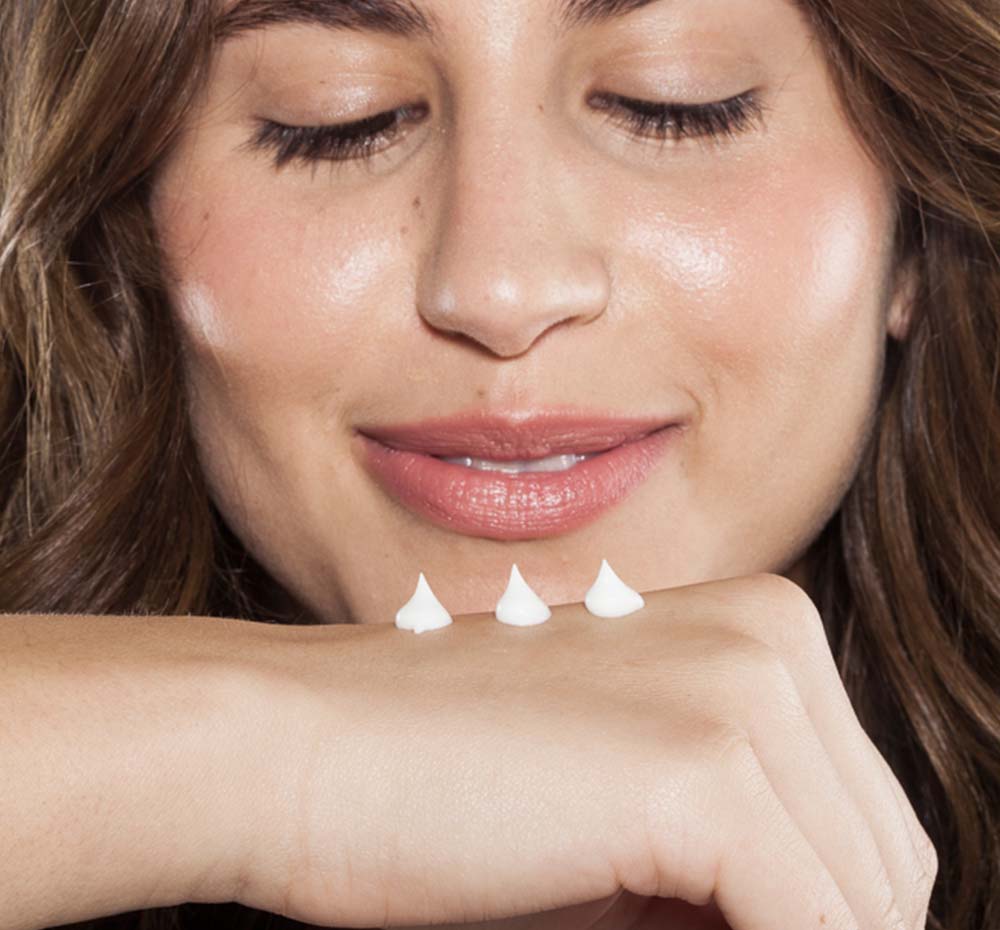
(117, 739)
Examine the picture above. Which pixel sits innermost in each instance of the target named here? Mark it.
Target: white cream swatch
(423, 611)
(520, 606)
(609, 596)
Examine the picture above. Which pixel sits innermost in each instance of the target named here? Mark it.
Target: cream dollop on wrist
(520, 606)
(423, 611)
(609, 596)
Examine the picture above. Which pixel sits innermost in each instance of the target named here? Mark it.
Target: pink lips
(503, 506)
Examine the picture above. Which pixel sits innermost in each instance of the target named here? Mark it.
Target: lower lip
(531, 505)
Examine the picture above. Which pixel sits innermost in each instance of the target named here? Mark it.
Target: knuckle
(732, 751)
(758, 684)
(782, 612)
(783, 593)
(771, 584)
(791, 622)
(739, 765)
(800, 607)
(771, 608)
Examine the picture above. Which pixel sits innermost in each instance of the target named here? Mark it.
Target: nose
(509, 259)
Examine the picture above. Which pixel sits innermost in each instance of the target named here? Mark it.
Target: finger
(802, 774)
(731, 844)
(768, 874)
(869, 781)
(794, 628)
(925, 852)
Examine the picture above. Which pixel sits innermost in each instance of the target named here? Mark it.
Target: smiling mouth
(511, 498)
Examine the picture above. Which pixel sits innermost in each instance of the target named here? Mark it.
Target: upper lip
(515, 436)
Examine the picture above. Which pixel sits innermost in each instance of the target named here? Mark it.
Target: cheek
(273, 300)
(769, 290)
(772, 281)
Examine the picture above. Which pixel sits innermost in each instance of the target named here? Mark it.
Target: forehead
(411, 18)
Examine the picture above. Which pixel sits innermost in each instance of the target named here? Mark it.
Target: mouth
(515, 477)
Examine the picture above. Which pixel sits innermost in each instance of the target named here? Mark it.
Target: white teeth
(553, 463)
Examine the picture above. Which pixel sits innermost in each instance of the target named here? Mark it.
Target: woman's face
(519, 247)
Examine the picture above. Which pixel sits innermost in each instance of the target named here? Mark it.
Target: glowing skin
(519, 605)
(515, 249)
(609, 596)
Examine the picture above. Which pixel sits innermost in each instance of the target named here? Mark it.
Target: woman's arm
(702, 749)
(124, 768)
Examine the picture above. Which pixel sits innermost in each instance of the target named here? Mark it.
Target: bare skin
(511, 250)
(515, 249)
(693, 766)
(702, 749)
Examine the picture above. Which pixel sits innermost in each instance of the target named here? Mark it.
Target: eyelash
(363, 139)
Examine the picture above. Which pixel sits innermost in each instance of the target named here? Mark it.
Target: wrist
(122, 740)
(232, 778)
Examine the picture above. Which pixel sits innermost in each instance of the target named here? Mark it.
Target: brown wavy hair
(103, 508)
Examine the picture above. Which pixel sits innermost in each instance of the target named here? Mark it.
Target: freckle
(206, 215)
(541, 108)
(822, 918)
(404, 230)
(416, 203)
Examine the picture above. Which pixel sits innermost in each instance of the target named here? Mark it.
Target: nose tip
(512, 242)
(507, 306)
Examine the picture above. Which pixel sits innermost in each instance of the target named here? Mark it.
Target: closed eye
(363, 139)
(677, 121)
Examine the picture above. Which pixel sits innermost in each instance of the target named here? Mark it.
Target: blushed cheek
(782, 272)
(271, 305)
(820, 275)
(846, 238)
(703, 264)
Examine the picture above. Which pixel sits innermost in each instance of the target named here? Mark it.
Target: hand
(702, 749)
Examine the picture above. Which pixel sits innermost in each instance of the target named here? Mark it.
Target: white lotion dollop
(609, 596)
(520, 606)
(423, 611)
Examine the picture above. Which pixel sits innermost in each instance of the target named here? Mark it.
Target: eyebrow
(400, 18)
